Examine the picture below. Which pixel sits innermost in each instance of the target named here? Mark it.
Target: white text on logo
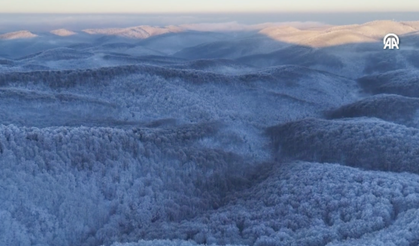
(391, 41)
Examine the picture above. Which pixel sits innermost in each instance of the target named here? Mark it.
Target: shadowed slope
(394, 108)
(402, 82)
(364, 143)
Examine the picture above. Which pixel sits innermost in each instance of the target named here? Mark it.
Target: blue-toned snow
(102, 147)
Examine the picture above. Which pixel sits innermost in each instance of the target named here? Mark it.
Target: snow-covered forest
(180, 137)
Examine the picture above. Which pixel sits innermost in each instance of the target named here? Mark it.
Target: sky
(45, 15)
(195, 6)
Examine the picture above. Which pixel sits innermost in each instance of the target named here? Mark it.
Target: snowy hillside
(140, 32)
(17, 35)
(63, 32)
(203, 134)
(338, 35)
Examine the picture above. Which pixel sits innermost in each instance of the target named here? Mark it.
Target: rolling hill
(210, 134)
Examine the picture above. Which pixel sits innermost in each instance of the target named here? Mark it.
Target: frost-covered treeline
(88, 186)
(364, 142)
(394, 108)
(275, 145)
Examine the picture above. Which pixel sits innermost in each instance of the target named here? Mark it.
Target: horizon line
(223, 12)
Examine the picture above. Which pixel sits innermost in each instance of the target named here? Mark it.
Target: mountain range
(210, 134)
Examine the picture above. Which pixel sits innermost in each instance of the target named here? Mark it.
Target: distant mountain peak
(63, 32)
(140, 32)
(18, 35)
(338, 35)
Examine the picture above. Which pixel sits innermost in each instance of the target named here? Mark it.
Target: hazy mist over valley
(209, 129)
